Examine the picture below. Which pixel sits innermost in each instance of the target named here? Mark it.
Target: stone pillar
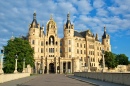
(23, 65)
(70, 67)
(66, 69)
(47, 66)
(103, 70)
(16, 66)
(55, 66)
(43, 68)
(61, 67)
(35, 67)
(1, 65)
(88, 64)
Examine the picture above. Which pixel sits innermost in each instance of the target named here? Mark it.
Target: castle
(68, 54)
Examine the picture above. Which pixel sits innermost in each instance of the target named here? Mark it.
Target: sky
(16, 15)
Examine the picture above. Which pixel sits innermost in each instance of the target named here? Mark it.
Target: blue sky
(16, 15)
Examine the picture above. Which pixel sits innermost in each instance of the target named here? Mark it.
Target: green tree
(122, 59)
(110, 60)
(23, 49)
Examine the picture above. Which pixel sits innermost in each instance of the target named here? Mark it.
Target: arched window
(33, 41)
(56, 43)
(46, 43)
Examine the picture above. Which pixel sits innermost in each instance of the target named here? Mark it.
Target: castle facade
(72, 53)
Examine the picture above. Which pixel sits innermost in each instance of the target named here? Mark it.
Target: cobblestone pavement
(54, 80)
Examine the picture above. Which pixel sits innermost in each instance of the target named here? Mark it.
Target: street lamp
(103, 61)
(23, 65)
(89, 64)
(1, 62)
(16, 58)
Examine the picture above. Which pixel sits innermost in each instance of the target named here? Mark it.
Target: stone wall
(121, 78)
(9, 77)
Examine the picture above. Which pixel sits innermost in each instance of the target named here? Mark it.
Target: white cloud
(16, 16)
(102, 12)
(98, 3)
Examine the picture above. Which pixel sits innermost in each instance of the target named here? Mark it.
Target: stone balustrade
(121, 78)
(9, 77)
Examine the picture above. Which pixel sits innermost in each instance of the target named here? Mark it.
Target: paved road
(54, 80)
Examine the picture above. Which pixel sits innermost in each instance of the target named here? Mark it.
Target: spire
(96, 38)
(68, 20)
(34, 15)
(51, 17)
(34, 22)
(104, 28)
(104, 35)
(43, 27)
(68, 16)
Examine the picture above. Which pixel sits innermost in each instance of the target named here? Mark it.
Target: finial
(42, 26)
(96, 36)
(51, 17)
(34, 15)
(105, 28)
(68, 16)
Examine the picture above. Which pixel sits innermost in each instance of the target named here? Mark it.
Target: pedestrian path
(94, 81)
(16, 82)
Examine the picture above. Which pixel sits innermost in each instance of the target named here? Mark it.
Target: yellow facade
(68, 54)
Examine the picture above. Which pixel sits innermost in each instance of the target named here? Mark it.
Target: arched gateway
(51, 68)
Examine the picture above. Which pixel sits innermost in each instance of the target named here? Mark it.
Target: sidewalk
(94, 81)
(18, 81)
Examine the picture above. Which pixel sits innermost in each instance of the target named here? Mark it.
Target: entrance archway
(51, 68)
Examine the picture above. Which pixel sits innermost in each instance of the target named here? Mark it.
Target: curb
(83, 81)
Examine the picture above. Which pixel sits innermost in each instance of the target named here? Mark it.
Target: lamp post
(23, 65)
(88, 64)
(1, 62)
(16, 58)
(103, 61)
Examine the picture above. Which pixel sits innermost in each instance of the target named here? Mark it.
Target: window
(84, 51)
(69, 49)
(33, 41)
(85, 64)
(69, 31)
(60, 43)
(69, 42)
(46, 43)
(84, 45)
(81, 51)
(77, 44)
(41, 50)
(77, 51)
(80, 45)
(33, 48)
(56, 43)
(41, 43)
(60, 50)
(81, 58)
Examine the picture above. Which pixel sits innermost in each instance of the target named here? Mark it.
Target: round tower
(106, 41)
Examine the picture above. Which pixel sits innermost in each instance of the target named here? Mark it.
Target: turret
(106, 41)
(96, 38)
(34, 23)
(68, 28)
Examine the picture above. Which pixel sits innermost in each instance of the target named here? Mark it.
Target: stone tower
(68, 38)
(106, 41)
